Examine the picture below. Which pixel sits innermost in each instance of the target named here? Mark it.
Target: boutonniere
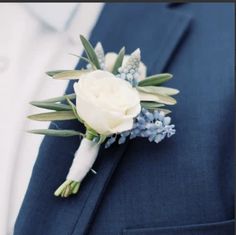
(114, 100)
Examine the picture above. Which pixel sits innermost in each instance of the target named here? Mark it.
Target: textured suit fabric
(184, 185)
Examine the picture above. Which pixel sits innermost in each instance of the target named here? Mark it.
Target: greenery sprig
(62, 108)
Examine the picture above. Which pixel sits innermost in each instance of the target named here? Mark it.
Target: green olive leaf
(90, 52)
(151, 105)
(158, 90)
(119, 60)
(163, 99)
(51, 106)
(53, 116)
(74, 110)
(155, 80)
(57, 133)
(52, 73)
(59, 98)
(70, 74)
(165, 111)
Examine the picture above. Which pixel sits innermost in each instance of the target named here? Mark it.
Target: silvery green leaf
(52, 73)
(119, 60)
(53, 116)
(70, 74)
(73, 107)
(90, 52)
(159, 90)
(165, 111)
(51, 106)
(155, 80)
(151, 105)
(80, 57)
(58, 133)
(163, 99)
(60, 98)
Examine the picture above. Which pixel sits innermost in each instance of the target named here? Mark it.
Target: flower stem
(82, 163)
(67, 188)
(89, 135)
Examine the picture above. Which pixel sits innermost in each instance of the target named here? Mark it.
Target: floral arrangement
(114, 100)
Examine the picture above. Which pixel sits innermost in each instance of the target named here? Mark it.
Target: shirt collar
(45, 12)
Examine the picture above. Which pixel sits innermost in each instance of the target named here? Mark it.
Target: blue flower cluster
(152, 125)
(130, 71)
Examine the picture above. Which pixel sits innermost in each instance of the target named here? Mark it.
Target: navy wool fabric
(184, 185)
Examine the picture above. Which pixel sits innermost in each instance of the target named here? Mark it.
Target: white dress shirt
(34, 38)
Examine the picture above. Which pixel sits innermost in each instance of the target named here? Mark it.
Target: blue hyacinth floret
(152, 125)
(130, 71)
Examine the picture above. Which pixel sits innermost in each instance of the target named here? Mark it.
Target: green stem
(62, 187)
(90, 135)
(68, 188)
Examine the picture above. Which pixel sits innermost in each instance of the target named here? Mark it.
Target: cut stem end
(68, 188)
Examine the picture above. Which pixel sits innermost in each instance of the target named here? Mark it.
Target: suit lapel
(157, 31)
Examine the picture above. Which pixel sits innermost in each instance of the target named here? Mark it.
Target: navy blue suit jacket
(184, 185)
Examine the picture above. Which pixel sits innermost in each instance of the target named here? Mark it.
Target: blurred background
(34, 38)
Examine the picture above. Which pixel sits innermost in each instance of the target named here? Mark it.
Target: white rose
(106, 103)
(110, 59)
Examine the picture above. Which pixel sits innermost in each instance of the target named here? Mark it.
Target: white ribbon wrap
(84, 159)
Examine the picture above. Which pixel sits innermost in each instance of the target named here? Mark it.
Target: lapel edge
(174, 35)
